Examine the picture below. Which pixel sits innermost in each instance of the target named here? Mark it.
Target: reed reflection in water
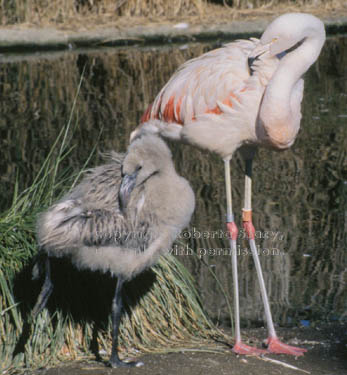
(300, 195)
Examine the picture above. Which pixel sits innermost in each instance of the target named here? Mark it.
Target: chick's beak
(127, 186)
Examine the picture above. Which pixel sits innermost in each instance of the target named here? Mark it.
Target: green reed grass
(166, 318)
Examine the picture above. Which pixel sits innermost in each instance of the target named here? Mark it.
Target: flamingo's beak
(259, 51)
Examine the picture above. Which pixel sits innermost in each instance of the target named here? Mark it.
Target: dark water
(300, 195)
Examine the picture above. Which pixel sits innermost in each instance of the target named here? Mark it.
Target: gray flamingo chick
(119, 219)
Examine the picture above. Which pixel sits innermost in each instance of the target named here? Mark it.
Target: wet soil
(326, 344)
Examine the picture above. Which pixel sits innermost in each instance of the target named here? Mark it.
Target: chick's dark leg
(41, 302)
(46, 290)
(117, 307)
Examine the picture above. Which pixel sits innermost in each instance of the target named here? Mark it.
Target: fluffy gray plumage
(91, 227)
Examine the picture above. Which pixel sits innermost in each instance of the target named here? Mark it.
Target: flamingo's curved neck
(279, 115)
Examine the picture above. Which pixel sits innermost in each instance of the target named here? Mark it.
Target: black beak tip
(122, 204)
(250, 62)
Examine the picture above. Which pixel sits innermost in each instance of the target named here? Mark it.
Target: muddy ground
(326, 344)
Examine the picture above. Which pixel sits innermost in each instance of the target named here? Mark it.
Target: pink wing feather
(198, 86)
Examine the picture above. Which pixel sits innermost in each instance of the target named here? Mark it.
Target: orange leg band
(247, 224)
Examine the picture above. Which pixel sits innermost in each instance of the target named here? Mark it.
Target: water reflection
(300, 195)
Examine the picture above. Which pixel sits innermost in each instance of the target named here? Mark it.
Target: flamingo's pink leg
(274, 344)
(239, 347)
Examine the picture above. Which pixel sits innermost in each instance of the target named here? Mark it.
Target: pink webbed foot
(277, 347)
(241, 348)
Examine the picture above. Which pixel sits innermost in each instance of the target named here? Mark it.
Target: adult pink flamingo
(247, 93)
